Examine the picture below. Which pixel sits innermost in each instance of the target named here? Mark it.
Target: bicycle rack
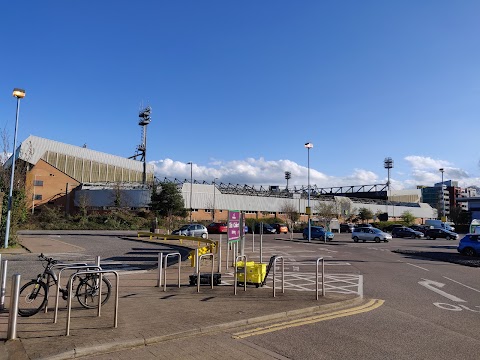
(283, 273)
(100, 273)
(198, 269)
(165, 269)
(57, 292)
(244, 257)
(323, 277)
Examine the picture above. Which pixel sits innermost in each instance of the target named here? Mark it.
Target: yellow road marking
(369, 306)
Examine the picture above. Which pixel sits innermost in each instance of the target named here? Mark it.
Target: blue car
(469, 245)
(317, 232)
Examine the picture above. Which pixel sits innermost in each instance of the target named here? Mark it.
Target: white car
(370, 234)
(196, 230)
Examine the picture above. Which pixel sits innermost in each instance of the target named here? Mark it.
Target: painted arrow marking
(435, 285)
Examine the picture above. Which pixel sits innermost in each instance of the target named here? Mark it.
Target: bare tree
(291, 214)
(326, 211)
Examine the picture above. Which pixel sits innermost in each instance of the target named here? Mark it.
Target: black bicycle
(34, 294)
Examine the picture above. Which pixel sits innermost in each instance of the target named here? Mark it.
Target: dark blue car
(470, 245)
(317, 232)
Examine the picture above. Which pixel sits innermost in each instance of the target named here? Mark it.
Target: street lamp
(443, 196)
(19, 94)
(388, 164)
(309, 145)
(214, 186)
(191, 188)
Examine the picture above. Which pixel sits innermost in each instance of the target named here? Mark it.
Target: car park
(469, 245)
(405, 232)
(348, 228)
(370, 234)
(318, 232)
(280, 228)
(196, 230)
(441, 233)
(217, 228)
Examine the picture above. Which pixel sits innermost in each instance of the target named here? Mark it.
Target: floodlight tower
(288, 176)
(388, 164)
(144, 116)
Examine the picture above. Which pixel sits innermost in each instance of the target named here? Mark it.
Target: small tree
(168, 203)
(365, 214)
(326, 210)
(291, 214)
(408, 218)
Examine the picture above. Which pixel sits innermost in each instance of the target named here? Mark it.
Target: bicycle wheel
(88, 290)
(32, 299)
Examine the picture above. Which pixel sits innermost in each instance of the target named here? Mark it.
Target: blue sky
(238, 87)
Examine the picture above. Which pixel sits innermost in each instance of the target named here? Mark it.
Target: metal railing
(100, 273)
(199, 258)
(244, 257)
(165, 269)
(283, 273)
(59, 278)
(323, 277)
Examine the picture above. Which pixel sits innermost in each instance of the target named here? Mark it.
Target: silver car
(370, 234)
(196, 230)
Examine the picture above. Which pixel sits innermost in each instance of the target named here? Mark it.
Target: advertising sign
(233, 231)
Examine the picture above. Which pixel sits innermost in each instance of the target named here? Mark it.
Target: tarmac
(149, 315)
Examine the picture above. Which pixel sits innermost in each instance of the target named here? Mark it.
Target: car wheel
(364, 240)
(434, 238)
(469, 252)
(447, 237)
(204, 236)
(385, 240)
(355, 239)
(377, 239)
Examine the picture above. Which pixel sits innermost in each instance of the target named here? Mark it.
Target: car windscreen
(184, 227)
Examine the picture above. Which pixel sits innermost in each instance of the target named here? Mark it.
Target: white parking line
(417, 266)
(468, 287)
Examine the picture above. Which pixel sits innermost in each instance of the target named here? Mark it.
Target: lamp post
(309, 145)
(19, 94)
(191, 188)
(388, 164)
(443, 196)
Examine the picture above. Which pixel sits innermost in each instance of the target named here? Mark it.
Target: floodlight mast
(388, 164)
(288, 176)
(144, 116)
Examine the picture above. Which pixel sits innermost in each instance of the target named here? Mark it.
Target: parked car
(280, 228)
(356, 226)
(441, 233)
(405, 232)
(217, 228)
(348, 228)
(196, 230)
(390, 227)
(267, 229)
(370, 234)
(318, 232)
(469, 245)
(422, 228)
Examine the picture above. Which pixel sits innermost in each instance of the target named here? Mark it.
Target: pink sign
(233, 232)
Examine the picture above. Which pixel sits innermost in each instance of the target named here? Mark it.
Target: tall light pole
(214, 186)
(19, 94)
(288, 176)
(309, 145)
(388, 164)
(191, 188)
(443, 196)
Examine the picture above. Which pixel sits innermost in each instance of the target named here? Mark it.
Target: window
(38, 183)
(38, 197)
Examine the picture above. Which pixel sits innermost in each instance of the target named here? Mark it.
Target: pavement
(149, 315)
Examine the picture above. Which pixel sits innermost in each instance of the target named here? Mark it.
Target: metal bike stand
(244, 257)
(323, 277)
(283, 273)
(61, 265)
(160, 265)
(165, 269)
(198, 269)
(100, 273)
(3, 284)
(59, 278)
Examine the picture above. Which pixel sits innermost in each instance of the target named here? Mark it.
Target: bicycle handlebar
(49, 260)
